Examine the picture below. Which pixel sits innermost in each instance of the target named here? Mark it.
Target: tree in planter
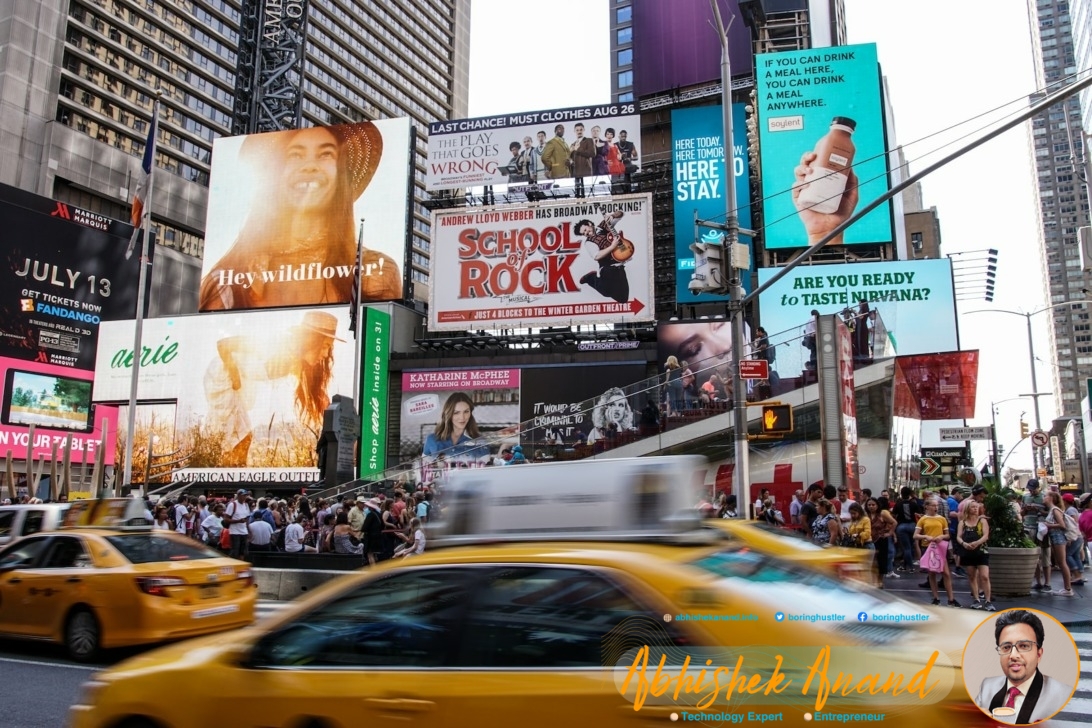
(1006, 528)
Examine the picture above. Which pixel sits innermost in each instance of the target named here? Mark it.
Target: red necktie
(1011, 702)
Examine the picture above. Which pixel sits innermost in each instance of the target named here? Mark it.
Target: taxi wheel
(82, 635)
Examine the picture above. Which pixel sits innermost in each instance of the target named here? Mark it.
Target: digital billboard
(563, 263)
(823, 146)
(374, 382)
(701, 179)
(677, 44)
(534, 147)
(64, 272)
(250, 388)
(56, 400)
(914, 300)
(580, 404)
(703, 348)
(284, 214)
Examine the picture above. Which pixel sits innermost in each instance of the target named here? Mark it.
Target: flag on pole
(354, 295)
(140, 197)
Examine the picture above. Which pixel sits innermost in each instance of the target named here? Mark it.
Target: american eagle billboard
(563, 263)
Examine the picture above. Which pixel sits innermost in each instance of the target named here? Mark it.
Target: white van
(585, 498)
(23, 520)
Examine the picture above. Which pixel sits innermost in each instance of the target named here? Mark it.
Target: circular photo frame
(1021, 687)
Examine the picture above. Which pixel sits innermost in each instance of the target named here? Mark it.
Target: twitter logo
(780, 616)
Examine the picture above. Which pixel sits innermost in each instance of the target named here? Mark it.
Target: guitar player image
(611, 251)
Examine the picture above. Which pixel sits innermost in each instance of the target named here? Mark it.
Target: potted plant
(1013, 555)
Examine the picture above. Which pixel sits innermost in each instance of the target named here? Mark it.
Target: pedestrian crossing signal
(776, 419)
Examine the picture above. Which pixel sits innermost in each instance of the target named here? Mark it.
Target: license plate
(210, 592)
(215, 611)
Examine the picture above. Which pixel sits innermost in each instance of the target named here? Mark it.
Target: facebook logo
(862, 616)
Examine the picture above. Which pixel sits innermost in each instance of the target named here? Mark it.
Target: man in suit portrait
(1024, 694)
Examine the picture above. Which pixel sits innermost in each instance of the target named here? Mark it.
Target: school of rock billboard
(534, 147)
(64, 272)
(562, 263)
(823, 142)
(246, 391)
(284, 215)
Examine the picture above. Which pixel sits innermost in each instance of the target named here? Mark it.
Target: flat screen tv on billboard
(823, 145)
(563, 263)
(63, 273)
(534, 147)
(284, 214)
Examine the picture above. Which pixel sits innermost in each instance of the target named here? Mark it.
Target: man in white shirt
(844, 502)
(294, 535)
(211, 527)
(261, 534)
(238, 513)
(794, 507)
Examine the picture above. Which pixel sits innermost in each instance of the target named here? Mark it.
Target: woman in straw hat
(304, 352)
(298, 245)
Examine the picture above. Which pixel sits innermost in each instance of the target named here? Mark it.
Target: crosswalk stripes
(1078, 712)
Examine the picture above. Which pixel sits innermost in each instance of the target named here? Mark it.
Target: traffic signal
(1023, 429)
(776, 419)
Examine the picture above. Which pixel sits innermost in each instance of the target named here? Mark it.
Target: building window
(625, 57)
(626, 97)
(625, 78)
(624, 15)
(625, 35)
(916, 241)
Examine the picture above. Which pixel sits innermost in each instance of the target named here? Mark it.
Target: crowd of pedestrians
(373, 527)
(939, 533)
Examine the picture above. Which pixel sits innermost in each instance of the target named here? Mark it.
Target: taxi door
(58, 579)
(375, 654)
(531, 651)
(16, 564)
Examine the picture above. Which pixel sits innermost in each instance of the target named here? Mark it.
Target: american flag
(143, 190)
(354, 295)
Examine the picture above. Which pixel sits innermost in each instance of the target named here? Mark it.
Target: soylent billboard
(63, 273)
(823, 147)
(559, 264)
(701, 179)
(250, 387)
(536, 146)
(284, 211)
(914, 300)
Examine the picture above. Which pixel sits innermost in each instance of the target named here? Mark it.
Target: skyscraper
(1062, 196)
(79, 79)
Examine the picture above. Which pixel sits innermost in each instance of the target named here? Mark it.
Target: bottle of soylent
(824, 185)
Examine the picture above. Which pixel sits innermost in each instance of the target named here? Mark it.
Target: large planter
(1012, 571)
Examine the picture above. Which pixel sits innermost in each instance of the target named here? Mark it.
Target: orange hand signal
(771, 419)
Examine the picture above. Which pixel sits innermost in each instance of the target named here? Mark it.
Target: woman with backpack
(1056, 534)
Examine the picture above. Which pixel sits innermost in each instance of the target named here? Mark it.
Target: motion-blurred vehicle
(517, 622)
(18, 521)
(96, 587)
(790, 544)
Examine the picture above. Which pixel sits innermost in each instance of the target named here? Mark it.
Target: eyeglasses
(1022, 646)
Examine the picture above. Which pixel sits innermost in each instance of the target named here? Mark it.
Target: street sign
(1039, 438)
(948, 434)
(754, 369)
(929, 466)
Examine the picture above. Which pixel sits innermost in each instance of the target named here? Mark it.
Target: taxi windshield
(798, 539)
(146, 548)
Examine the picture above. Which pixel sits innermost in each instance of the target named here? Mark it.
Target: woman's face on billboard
(616, 409)
(698, 343)
(310, 169)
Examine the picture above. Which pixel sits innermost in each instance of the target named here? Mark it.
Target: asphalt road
(39, 685)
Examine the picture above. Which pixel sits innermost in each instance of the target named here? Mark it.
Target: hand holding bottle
(819, 224)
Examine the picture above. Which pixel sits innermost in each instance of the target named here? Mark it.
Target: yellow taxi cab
(532, 625)
(792, 545)
(91, 587)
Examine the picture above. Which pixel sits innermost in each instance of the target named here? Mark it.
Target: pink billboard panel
(56, 400)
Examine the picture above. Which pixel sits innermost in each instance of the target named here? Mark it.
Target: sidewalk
(1067, 610)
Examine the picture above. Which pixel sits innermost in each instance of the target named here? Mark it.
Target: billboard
(697, 156)
(936, 386)
(676, 47)
(580, 404)
(63, 273)
(914, 300)
(374, 377)
(823, 146)
(705, 349)
(537, 146)
(283, 215)
(249, 388)
(56, 400)
(563, 263)
(458, 417)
